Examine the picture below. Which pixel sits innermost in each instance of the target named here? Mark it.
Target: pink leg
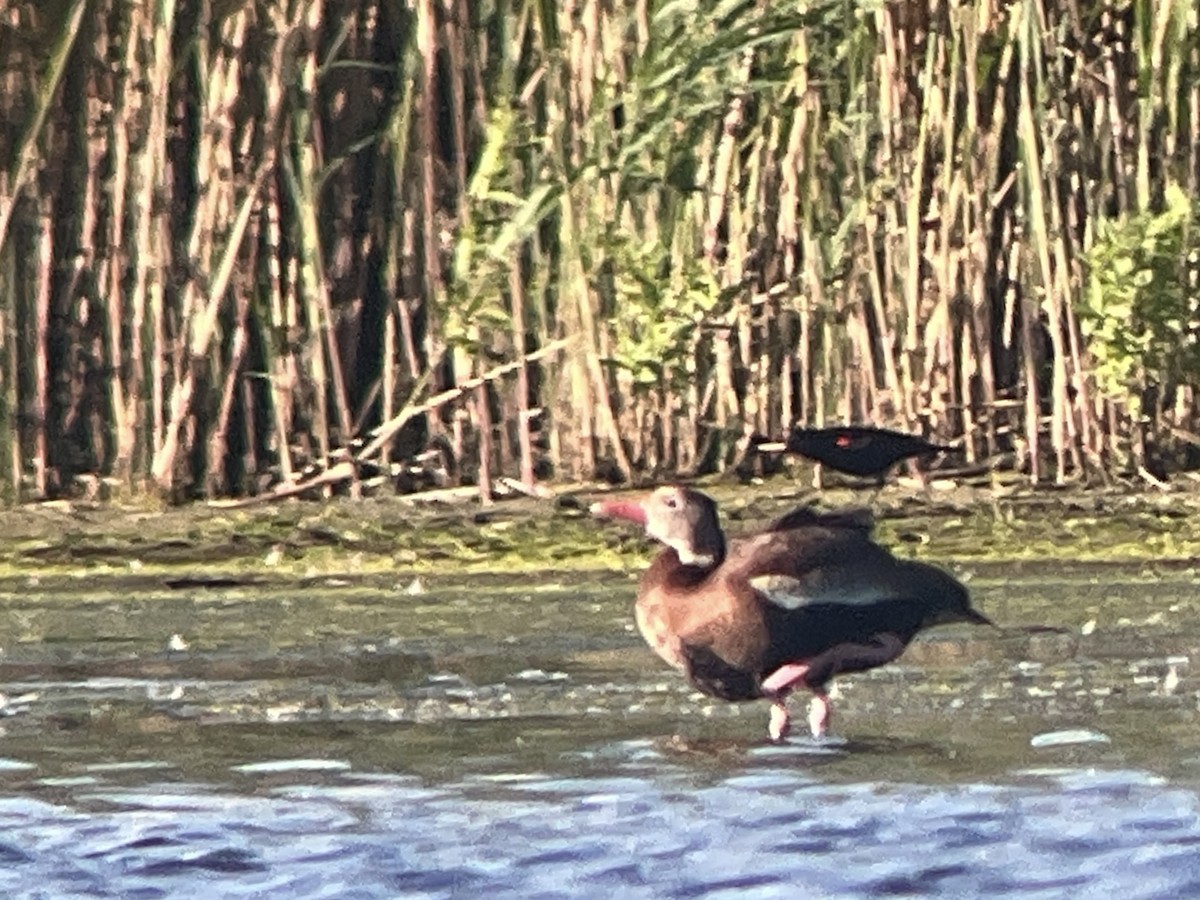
(883, 648)
(777, 686)
(818, 714)
(780, 723)
(783, 679)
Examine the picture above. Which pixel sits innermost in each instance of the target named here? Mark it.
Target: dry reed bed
(245, 242)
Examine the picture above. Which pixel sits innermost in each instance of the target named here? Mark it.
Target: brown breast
(681, 610)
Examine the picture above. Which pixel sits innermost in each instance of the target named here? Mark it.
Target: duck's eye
(671, 503)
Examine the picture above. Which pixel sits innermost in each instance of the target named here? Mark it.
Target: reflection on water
(358, 741)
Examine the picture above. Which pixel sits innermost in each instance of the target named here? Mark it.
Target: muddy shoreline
(403, 535)
(210, 636)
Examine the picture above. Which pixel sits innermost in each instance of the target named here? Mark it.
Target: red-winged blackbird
(855, 449)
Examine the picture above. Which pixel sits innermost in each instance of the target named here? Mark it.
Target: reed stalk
(255, 228)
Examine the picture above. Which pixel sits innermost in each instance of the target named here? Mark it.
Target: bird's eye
(671, 503)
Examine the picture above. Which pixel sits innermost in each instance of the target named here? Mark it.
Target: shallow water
(374, 737)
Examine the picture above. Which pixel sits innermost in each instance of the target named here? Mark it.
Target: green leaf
(526, 219)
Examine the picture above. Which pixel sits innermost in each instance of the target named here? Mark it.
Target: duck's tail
(975, 617)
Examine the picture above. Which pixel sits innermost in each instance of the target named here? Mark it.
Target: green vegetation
(395, 541)
(1142, 309)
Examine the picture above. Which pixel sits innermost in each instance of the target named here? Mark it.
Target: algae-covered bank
(415, 536)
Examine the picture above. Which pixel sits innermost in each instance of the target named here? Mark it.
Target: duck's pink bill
(629, 510)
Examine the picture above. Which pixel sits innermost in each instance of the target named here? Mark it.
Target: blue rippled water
(655, 831)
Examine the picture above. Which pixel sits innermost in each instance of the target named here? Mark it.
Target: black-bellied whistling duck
(854, 449)
(811, 597)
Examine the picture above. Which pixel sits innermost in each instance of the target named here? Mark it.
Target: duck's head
(681, 518)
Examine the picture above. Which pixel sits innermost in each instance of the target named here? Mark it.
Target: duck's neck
(697, 559)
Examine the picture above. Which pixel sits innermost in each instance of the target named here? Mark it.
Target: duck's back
(827, 583)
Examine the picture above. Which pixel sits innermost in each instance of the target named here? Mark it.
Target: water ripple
(754, 834)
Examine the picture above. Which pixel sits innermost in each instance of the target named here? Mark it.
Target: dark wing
(860, 520)
(804, 541)
(800, 635)
(822, 586)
